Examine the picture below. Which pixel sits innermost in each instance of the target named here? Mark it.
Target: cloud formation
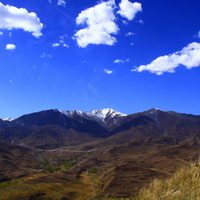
(61, 3)
(19, 18)
(10, 47)
(118, 61)
(56, 44)
(100, 25)
(188, 57)
(100, 22)
(108, 71)
(128, 9)
(129, 34)
(61, 42)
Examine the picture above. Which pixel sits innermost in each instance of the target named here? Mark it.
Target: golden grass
(20, 189)
(183, 185)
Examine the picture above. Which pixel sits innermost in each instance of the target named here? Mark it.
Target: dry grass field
(183, 185)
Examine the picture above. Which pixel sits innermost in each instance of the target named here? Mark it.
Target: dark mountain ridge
(67, 127)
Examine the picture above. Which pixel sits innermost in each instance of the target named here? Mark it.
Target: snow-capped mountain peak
(107, 112)
(72, 113)
(100, 116)
(8, 119)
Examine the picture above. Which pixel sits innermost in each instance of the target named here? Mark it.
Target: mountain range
(65, 126)
(124, 150)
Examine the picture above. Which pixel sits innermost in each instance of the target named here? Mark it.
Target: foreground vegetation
(183, 185)
(23, 189)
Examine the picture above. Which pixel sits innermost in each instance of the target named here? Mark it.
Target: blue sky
(127, 55)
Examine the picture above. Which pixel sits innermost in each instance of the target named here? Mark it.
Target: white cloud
(1, 33)
(61, 3)
(129, 10)
(189, 57)
(46, 55)
(118, 61)
(129, 34)
(62, 38)
(65, 45)
(141, 21)
(10, 47)
(55, 44)
(61, 42)
(19, 18)
(108, 71)
(100, 25)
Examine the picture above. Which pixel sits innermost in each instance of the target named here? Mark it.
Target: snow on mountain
(71, 113)
(105, 113)
(96, 115)
(8, 119)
